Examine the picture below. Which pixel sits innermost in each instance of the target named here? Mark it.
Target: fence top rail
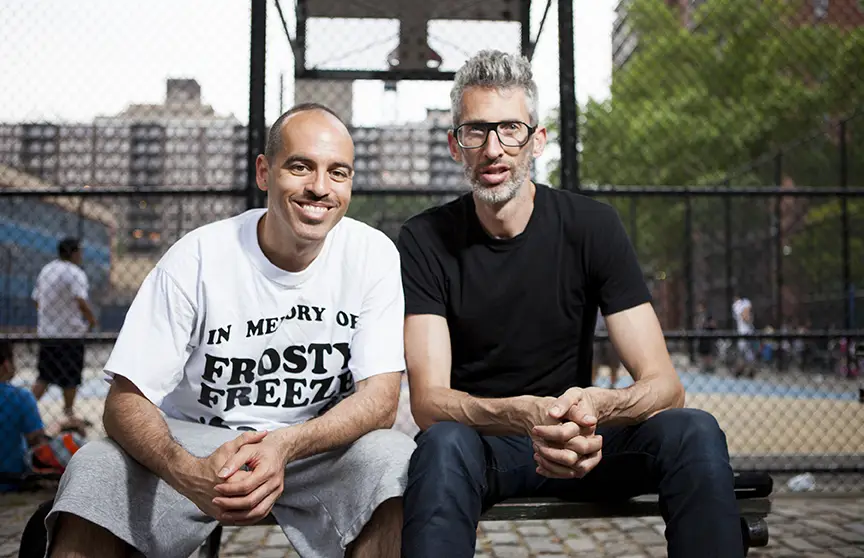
(690, 191)
(119, 192)
(725, 191)
(110, 337)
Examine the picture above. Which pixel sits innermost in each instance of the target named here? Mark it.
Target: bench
(752, 491)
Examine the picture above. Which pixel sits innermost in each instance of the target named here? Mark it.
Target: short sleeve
(156, 338)
(37, 287)
(78, 284)
(424, 292)
(614, 269)
(31, 421)
(378, 345)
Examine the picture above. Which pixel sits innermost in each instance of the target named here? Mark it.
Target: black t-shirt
(521, 311)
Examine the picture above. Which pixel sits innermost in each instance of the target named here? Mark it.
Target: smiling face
(496, 171)
(309, 179)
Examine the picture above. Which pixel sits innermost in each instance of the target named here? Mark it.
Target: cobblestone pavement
(800, 526)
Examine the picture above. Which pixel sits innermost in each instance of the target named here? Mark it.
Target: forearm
(138, 427)
(358, 414)
(87, 313)
(491, 417)
(638, 402)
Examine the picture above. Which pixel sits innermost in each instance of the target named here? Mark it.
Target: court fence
(131, 160)
(798, 407)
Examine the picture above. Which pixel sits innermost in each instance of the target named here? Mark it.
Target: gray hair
(498, 70)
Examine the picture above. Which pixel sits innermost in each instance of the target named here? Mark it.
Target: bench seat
(752, 491)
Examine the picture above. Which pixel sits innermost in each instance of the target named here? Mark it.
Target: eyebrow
(310, 162)
(493, 121)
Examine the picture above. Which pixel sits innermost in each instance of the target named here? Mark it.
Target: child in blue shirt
(20, 424)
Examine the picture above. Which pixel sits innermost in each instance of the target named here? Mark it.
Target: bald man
(257, 372)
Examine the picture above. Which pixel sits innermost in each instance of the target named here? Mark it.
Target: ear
(262, 172)
(455, 150)
(540, 138)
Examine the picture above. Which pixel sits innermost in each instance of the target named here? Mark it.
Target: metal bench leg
(754, 531)
(210, 548)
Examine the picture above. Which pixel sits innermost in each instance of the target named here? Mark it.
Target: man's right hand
(198, 479)
(534, 411)
(570, 448)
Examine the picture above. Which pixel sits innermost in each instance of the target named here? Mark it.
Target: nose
(493, 148)
(319, 186)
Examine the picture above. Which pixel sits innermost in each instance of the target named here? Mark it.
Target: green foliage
(388, 212)
(816, 249)
(691, 105)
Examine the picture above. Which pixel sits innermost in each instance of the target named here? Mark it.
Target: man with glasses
(502, 289)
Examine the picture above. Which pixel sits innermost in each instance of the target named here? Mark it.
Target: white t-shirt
(738, 308)
(219, 335)
(58, 287)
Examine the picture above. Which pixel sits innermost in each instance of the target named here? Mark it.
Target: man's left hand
(247, 496)
(577, 405)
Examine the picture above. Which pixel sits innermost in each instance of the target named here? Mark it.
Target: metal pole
(634, 230)
(844, 224)
(778, 251)
(257, 131)
(727, 243)
(300, 40)
(567, 90)
(525, 38)
(281, 92)
(848, 296)
(80, 233)
(688, 266)
(8, 321)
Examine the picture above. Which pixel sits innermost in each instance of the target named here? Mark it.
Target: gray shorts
(327, 498)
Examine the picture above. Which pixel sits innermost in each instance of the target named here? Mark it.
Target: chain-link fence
(751, 106)
(121, 129)
(732, 145)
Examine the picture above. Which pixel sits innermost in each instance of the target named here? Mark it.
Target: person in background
(25, 447)
(21, 426)
(63, 316)
(742, 311)
(706, 345)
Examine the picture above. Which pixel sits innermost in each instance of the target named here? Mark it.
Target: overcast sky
(69, 62)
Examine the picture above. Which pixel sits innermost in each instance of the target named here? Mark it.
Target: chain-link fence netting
(728, 93)
(107, 112)
(700, 89)
(755, 290)
(742, 96)
(385, 69)
(785, 388)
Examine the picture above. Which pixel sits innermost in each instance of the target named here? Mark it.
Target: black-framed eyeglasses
(511, 133)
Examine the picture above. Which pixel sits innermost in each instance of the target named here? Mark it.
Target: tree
(700, 100)
(690, 106)
(388, 212)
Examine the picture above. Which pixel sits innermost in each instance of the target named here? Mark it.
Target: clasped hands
(239, 482)
(563, 432)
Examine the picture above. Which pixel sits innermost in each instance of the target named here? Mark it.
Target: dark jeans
(456, 474)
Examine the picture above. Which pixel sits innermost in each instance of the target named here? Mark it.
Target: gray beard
(501, 193)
